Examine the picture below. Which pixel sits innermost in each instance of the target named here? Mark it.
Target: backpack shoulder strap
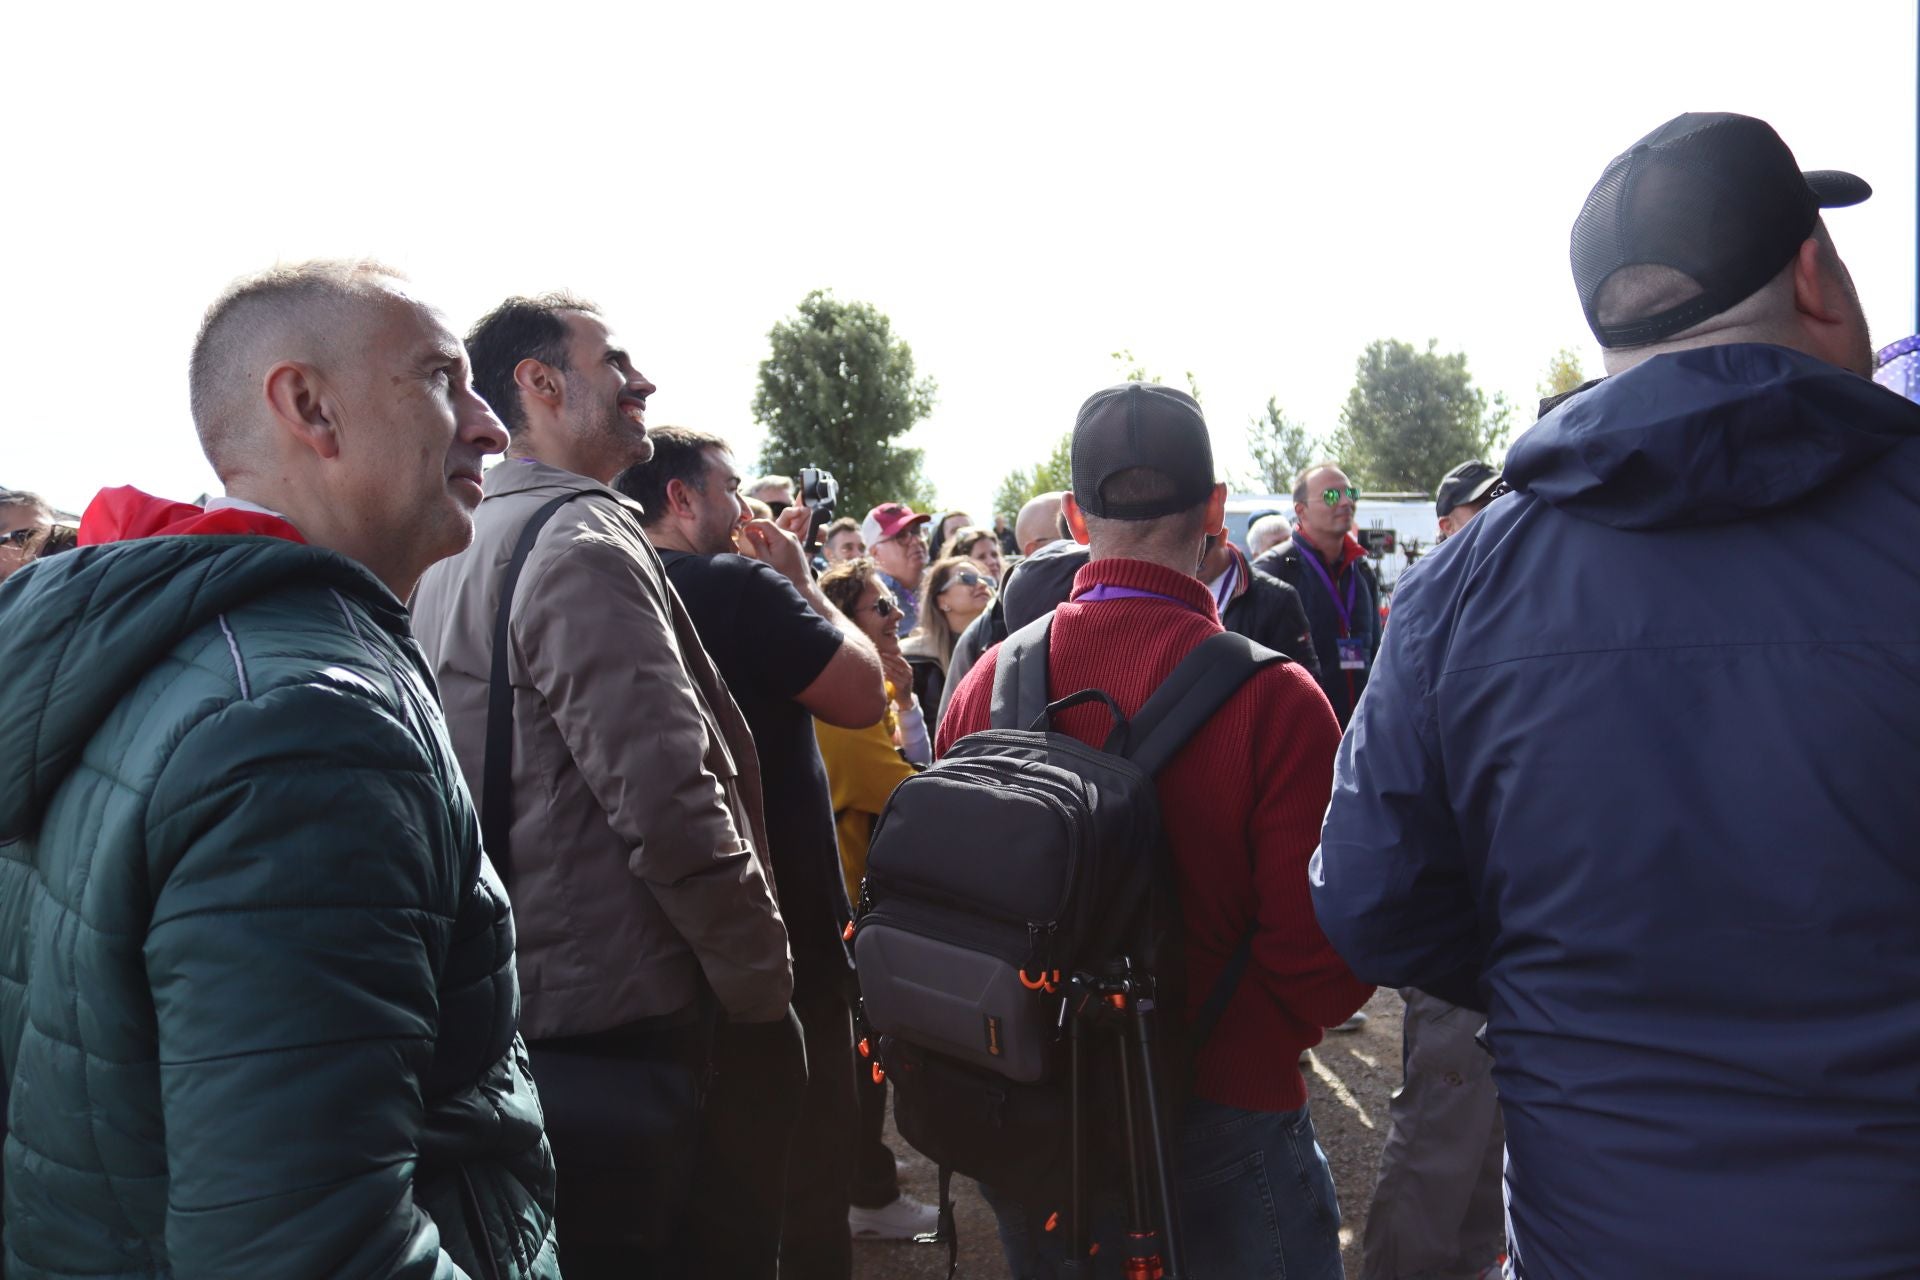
(1020, 676)
(1191, 693)
(496, 775)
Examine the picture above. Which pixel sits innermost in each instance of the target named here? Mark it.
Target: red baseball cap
(888, 520)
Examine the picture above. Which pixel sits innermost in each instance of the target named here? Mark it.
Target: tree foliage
(1279, 447)
(1414, 415)
(839, 391)
(1133, 369)
(1023, 484)
(1055, 471)
(1562, 375)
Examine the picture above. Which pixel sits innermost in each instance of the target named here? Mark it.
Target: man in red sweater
(1242, 805)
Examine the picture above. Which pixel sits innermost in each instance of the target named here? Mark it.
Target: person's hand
(798, 521)
(767, 542)
(900, 675)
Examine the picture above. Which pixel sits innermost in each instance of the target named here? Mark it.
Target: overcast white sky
(1252, 193)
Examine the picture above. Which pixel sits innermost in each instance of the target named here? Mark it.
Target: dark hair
(57, 538)
(519, 329)
(845, 524)
(965, 540)
(1136, 486)
(844, 583)
(679, 453)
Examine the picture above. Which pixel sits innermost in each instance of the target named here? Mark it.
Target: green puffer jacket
(258, 1013)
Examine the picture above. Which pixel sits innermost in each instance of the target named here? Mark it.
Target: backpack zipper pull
(1040, 959)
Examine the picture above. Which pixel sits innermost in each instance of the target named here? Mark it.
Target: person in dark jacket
(787, 656)
(1623, 776)
(258, 1008)
(1258, 605)
(1326, 564)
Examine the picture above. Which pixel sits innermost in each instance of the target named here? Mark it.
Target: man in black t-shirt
(787, 656)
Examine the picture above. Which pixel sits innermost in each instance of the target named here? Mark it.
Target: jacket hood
(79, 630)
(118, 515)
(1707, 436)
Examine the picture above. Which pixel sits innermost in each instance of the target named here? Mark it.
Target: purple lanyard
(1108, 591)
(1345, 610)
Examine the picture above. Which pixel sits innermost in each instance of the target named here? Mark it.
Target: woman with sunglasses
(25, 520)
(863, 768)
(957, 591)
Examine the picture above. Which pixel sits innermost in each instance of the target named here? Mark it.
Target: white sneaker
(904, 1219)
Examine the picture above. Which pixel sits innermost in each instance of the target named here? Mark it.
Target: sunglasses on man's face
(886, 606)
(18, 537)
(1333, 496)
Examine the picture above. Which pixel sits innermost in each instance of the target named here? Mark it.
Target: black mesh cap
(1713, 195)
(1141, 425)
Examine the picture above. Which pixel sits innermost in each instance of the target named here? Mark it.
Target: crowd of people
(410, 867)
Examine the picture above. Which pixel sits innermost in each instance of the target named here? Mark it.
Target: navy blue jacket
(1634, 774)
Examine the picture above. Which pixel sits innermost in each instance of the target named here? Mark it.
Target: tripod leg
(1077, 1197)
(1142, 1261)
(1143, 1017)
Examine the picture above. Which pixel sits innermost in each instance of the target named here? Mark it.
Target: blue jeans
(1256, 1203)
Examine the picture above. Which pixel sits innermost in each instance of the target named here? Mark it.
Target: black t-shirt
(769, 644)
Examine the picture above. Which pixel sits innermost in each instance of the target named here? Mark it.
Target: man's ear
(303, 407)
(1217, 510)
(1076, 518)
(679, 505)
(1817, 293)
(537, 380)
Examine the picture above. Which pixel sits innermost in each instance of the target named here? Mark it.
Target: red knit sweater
(1242, 805)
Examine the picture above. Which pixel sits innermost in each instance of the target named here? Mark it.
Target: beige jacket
(637, 839)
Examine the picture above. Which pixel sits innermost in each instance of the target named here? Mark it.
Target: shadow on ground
(1349, 1079)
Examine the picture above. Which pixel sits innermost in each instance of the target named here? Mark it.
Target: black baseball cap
(1714, 195)
(1469, 482)
(1141, 425)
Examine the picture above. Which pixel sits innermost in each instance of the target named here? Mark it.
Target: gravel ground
(1349, 1079)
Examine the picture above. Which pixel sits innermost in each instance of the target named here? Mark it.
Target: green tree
(838, 391)
(1023, 484)
(1280, 447)
(1412, 416)
(1133, 369)
(1563, 374)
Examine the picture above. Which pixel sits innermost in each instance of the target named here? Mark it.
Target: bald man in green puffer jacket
(258, 1012)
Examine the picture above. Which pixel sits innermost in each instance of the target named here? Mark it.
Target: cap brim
(1835, 189)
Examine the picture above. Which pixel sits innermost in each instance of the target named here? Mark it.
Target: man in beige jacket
(634, 847)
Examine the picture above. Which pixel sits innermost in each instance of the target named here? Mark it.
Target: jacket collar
(1350, 551)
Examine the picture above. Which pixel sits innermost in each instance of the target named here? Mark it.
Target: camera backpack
(996, 880)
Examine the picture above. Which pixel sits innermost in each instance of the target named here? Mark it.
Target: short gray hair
(1267, 532)
(295, 307)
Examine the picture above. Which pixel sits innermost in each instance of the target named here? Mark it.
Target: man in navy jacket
(1628, 773)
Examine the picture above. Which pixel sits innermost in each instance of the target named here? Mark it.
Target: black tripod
(1119, 1005)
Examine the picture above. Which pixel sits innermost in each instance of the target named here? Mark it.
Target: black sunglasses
(19, 537)
(886, 606)
(967, 577)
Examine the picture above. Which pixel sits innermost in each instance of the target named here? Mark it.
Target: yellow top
(863, 768)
